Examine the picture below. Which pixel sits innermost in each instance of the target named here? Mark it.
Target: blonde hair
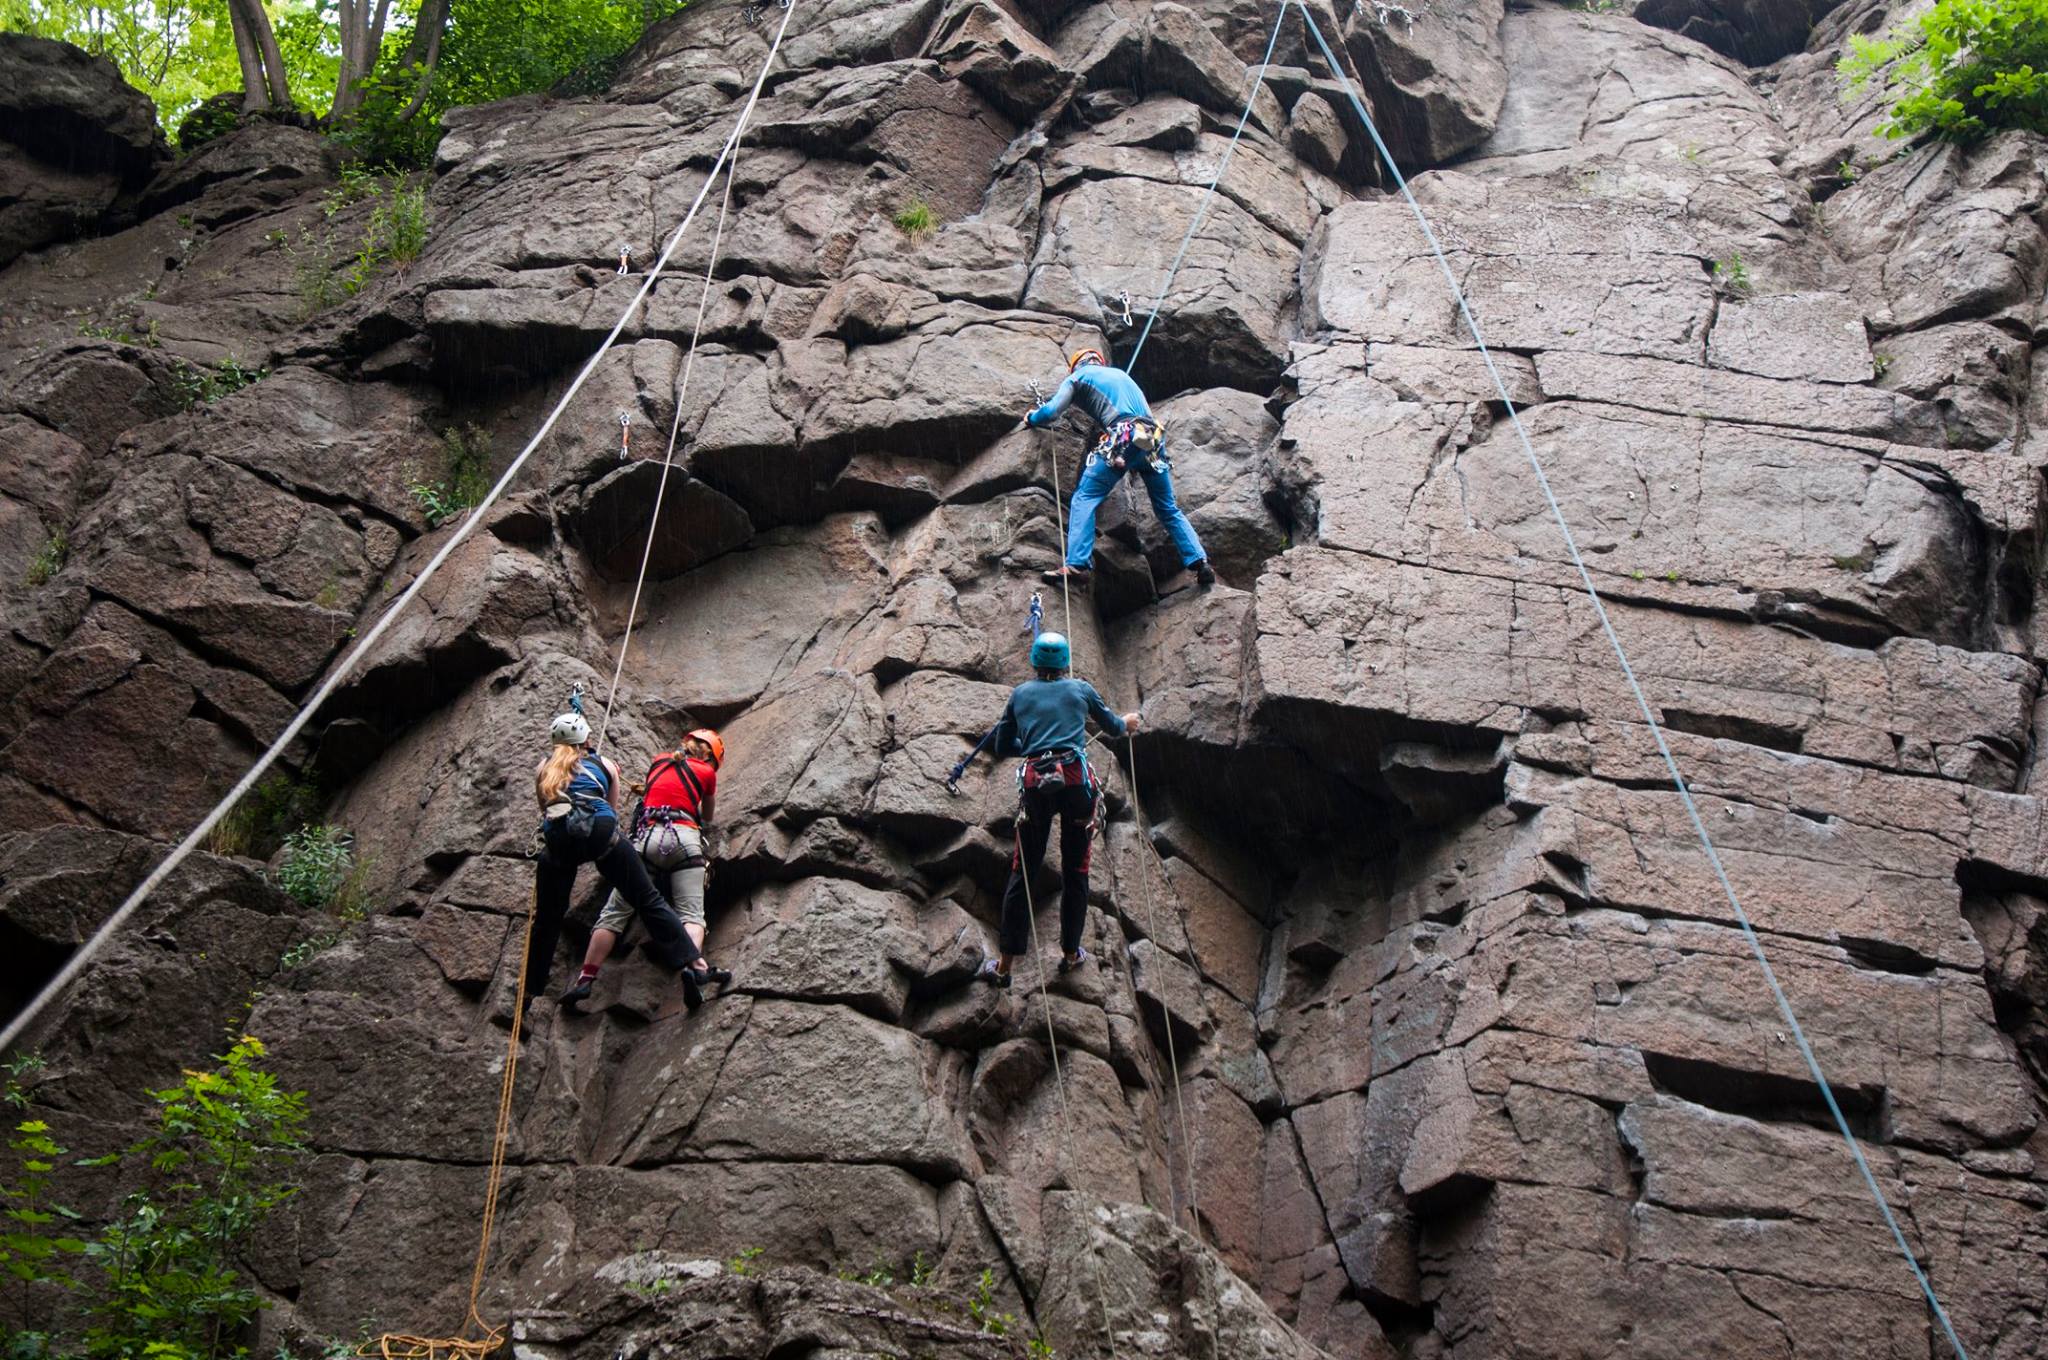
(699, 743)
(558, 771)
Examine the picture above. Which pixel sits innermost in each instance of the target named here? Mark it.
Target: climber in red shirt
(669, 829)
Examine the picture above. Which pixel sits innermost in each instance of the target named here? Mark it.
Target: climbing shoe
(992, 973)
(1204, 573)
(580, 992)
(721, 976)
(693, 990)
(1075, 576)
(1068, 965)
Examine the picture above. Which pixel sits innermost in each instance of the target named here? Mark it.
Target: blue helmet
(1050, 652)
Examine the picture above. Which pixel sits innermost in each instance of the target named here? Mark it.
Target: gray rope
(1208, 195)
(1699, 825)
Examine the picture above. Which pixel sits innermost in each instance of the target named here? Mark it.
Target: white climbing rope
(1251, 96)
(348, 663)
(1699, 825)
(675, 427)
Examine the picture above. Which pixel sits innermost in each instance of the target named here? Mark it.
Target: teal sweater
(1052, 715)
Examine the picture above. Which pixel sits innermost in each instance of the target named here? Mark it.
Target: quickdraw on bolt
(1123, 302)
(625, 258)
(576, 698)
(1037, 392)
(625, 435)
(1037, 620)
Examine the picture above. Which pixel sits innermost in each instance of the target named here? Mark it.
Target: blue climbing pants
(1098, 478)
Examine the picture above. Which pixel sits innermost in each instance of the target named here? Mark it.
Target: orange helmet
(1085, 356)
(714, 741)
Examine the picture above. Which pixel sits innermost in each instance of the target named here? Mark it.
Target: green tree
(221, 1155)
(1967, 68)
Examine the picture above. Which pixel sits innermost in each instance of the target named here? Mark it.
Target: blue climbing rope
(1692, 811)
(1251, 96)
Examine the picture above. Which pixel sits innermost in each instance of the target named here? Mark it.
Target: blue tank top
(591, 782)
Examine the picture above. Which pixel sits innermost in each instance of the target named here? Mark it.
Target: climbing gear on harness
(571, 728)
(1053, 771)
(1051, 652)
(1084, 356)
(1080, 958)
(1146, 438)
(1035, 621)
(661, 843)
(991, 972)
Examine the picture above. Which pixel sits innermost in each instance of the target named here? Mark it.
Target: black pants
(1074, 805)
(619, 864)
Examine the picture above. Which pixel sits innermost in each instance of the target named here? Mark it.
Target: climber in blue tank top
(576, 789)
(1129, 440)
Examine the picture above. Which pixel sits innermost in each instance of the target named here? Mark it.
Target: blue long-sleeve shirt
(1052, 715)
(1106, 394)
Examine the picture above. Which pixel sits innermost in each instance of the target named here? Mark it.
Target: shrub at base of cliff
(160, 1279)
(1971, 68)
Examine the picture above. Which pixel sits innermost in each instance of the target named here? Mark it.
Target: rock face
(73, 137)
(1419, 1024)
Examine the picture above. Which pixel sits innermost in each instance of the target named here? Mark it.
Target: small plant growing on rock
(258, 824)
(743, 1265)
(1969, 68)
(915, 219)
(1880, 364)
(1731, 276)
(465, 480)
(921, 1272)
(317, 862)
(49, 559)
(194, 386)
(982, 1307)
(1038, 1348)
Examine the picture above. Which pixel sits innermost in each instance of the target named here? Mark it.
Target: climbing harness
(1146, 438)
(1692, 811)
(625, 436)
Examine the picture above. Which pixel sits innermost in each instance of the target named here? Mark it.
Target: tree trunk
(423, 52)
(362, 40)
(255, 94)
(252, 20)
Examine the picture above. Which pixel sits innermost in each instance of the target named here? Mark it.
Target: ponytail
(558, 771)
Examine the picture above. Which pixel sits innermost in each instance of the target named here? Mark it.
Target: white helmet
(570, 729)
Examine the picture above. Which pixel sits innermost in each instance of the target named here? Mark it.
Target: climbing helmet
(1084, 356)
(569, 729)
(1050, 652)
(714, 741)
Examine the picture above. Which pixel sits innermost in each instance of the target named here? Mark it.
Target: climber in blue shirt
(1130, 440)
(1046, 722)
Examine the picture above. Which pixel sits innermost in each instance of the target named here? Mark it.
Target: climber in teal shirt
(1130, 440)
(1046, 722)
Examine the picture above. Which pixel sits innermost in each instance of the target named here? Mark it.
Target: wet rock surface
(1418, 1024)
